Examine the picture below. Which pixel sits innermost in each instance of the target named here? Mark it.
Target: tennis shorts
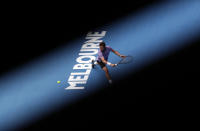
(101, 64)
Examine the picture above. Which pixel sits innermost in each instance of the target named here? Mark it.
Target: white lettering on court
(81, 71)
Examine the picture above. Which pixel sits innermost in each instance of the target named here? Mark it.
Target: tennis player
(102, 59)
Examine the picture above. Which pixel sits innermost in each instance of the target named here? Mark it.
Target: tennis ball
(58, 82)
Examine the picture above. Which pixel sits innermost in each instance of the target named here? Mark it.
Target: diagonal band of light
(31, 92)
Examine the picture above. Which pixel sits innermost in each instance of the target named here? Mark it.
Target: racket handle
(116, 64)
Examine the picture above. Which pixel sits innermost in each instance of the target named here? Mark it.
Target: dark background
(160, 94)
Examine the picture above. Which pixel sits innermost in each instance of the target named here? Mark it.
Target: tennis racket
(126, 60)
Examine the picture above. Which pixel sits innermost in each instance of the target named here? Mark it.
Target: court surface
(31, 92)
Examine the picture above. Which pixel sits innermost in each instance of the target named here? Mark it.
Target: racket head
(126, 60)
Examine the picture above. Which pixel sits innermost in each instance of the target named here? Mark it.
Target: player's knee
(106, 72)
(105, 69)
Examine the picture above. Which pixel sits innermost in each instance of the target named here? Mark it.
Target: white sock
(110, 81)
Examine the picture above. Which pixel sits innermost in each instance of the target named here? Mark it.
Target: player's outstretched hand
(122, 56)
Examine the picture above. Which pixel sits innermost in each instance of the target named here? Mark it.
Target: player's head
(102, 45)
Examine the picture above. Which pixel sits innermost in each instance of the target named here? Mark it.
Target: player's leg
(107, 74)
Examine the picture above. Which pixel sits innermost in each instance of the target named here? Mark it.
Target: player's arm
(117, 53)
(106, 62)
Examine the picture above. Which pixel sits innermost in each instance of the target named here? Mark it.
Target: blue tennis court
(32, 92)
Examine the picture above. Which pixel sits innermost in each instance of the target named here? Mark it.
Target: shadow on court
(150, 93)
